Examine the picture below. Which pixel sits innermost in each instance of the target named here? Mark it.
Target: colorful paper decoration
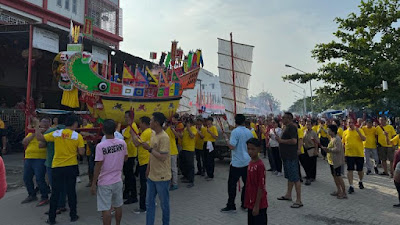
(160, 92)
(138, 92)
(88, 27)
(115, 89)
(127, 91)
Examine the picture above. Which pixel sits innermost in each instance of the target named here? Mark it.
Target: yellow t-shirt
(172, 141)
(262, 134)
(208, 137)
(132, 149)
(89, 125)
(354, 146)
(2, 125)
(253, 125)
(329, 155)
(340, 132)
(66, 144)
(323, 133)
(143, 154)
(199, 140)
(395, 141)
(315, 128)
(160, 170)
(300, 134)
(254, 134)
(370, 134)
(33, 151)
(382, 137)
(189, 143)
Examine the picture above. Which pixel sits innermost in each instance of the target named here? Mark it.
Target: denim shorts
(291, 168)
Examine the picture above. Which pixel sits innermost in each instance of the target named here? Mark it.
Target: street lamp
(304, 94)
(311, 103)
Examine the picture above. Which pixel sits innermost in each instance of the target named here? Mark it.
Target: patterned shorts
(291, 168)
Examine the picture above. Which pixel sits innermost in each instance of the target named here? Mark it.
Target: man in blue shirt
(240, 160)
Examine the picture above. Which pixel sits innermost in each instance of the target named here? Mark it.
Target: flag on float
(168, 60)
(95, 66)
(190, 58)
(127, 73)
(163, 78)
(175, 77)
(150, 77)
(140, 76)
(162, 58)
(198, 53)
(153, 55)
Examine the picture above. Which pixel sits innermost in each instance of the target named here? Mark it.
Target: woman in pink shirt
(3, 182)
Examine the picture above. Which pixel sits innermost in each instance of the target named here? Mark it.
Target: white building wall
(37, 2)
(67, 8)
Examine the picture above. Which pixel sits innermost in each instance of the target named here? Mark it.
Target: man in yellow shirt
(35, 157)
(370, 147)
(130, 192)
(67, 143)
(353, 139)
(3, 137)
(172, 134)
(323, 136)
(188, 146)
(201, 163)
(210, 137)
(385, 133)
(143, 158)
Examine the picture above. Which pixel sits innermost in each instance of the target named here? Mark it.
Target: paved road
(201, 204)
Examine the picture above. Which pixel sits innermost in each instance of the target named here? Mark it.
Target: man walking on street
(110, 156)
(240, 160)
(143, 158)
(353, 139)
(188, 147)
(35, 157)
(289, 150)
(210, 137)
(158, 170)
(67, 144)
(370, 147)
(385, 133)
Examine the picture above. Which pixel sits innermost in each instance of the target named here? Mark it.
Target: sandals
(334, 193)
(296, 205)
(283, 198)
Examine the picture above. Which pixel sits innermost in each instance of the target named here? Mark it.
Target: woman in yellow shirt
(209, 145)
(201, 162)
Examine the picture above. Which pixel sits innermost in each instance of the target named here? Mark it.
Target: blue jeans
(36, 167)
(63, 194)
(162, 189)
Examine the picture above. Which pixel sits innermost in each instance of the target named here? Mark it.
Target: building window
(59, 3)
(67, 5)
(74, 6)
(202, 86)
(212, 86)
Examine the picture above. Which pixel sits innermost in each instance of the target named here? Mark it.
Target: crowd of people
(157, 151)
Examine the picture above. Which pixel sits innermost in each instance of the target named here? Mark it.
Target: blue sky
(282, 31)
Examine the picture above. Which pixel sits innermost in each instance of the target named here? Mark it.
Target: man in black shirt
(289, 154)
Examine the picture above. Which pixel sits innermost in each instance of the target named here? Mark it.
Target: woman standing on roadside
(273, 143)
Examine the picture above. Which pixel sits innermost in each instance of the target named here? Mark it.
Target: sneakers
(308, 182)
(396, 206)
(279, 174)
(369, 172)
(361, 185)
(190, 185)
(43, 202)
(270, 170)
(351, 190)
(130, 201)
(78, 180)
(139, 211)
(275, 172)
(228, 210)
(29, 199)
(173, 187)
(376, 170)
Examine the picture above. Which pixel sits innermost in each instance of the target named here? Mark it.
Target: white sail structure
(184, 103)
(234, 79)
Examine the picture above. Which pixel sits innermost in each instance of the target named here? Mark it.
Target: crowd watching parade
(136, 162)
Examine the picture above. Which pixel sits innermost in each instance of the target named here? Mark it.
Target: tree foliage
(265, 101)
(319, 104)
(365, 52)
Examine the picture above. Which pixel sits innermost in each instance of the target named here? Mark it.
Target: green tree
(265, 101)
(364, 54)
(319, 104)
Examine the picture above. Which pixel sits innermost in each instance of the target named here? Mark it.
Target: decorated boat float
(141, 89)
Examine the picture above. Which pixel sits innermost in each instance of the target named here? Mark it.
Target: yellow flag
(150, 77)
(127, 74)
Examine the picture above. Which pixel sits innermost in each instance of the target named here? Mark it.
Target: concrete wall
(79, 16)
